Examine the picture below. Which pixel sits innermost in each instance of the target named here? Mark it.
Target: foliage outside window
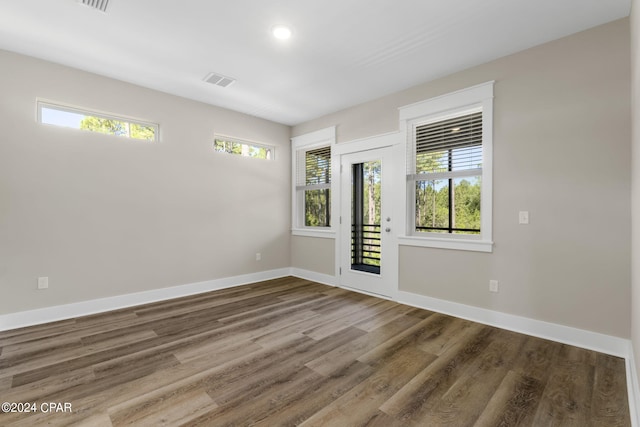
(243, 148)
(448, 175)
(365, 216)
(75, 118)
(314, 182)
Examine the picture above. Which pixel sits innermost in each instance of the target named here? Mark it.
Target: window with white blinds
(312, 189)
(449, 162)
(314, 186)
(451, 145)
(447, 172)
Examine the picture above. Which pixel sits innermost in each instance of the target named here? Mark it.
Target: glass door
(365, 220)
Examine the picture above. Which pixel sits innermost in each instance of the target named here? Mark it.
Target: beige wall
(322, 260)
(561, 151)
(103, 216)
(635, 182)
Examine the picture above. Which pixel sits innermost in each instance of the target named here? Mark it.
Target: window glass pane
(317, 208)
(436, 161)
(466, 158)
(51, 116)
(432, 206)
(318, 166)
(467, 205)
(59, 116)
(365, 221)
(371, 188)
(225, 147)
(106, 126)
(242, 149)
(441, 208)
(457, 159)
(454, 144)
(143, 132)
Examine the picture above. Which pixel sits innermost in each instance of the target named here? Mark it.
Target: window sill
(324, 234)
(442, 243)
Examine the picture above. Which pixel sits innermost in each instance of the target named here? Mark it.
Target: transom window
(78, 118)
(238, 147)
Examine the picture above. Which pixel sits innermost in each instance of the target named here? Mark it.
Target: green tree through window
(241, 148)
(77, 118)
(118, 128)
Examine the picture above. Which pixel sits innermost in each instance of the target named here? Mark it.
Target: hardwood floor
(293, 352)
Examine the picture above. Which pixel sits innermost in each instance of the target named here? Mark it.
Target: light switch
(523, 217)
(493, 286)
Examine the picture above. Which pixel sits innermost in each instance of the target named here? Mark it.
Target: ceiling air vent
(218, 79)
(101, 5)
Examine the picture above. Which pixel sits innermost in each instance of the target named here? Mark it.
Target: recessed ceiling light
(281, 32)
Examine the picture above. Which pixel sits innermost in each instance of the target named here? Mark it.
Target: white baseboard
(565, 334)
(84, 308)
(325, 279)
(633, 387)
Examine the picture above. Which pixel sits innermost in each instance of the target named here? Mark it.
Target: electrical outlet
(523, 217)
(43, 282)
(258, 256)
(493, 286)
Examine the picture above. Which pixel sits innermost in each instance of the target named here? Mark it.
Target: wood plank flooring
(293, 352)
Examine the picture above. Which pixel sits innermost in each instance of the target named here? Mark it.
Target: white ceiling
(343, 52)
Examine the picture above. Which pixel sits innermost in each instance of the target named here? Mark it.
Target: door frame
(397, 183)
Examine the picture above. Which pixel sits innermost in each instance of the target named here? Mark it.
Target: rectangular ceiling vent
(219, 79)
(100, 5)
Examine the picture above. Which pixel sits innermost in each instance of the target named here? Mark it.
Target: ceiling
(342, 52)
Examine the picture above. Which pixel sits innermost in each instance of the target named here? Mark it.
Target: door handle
(387, 229)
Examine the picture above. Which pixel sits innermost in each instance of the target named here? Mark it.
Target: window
(76, 118)
(314, 182)
(448, 174)
(312, 190)
(243, 148)
(449, 170)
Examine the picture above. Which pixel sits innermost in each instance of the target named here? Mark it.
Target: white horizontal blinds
(314, 168)
(318, 166)
(451, 145)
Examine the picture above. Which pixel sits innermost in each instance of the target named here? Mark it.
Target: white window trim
(319, 138)
(435, 109)
(43, 103)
